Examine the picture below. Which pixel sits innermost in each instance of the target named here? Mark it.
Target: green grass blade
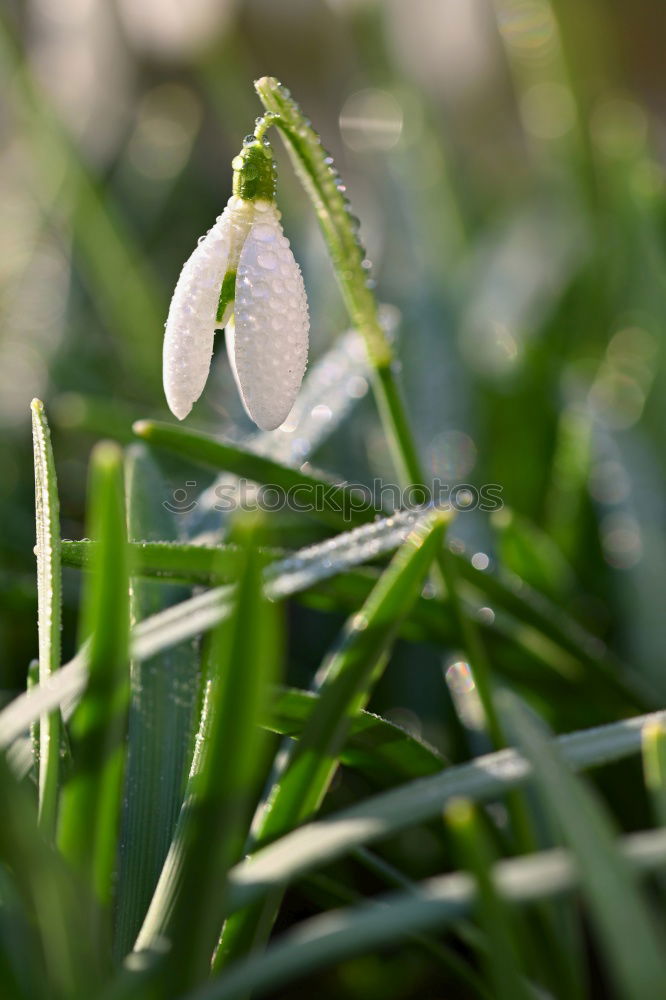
(187, 907)
(119, 275)
(531, 608)
(49, 601)
(375, 746)
(483, 779)
(617, 908)
(473, 850)
(486, 777)
(326, 561)
(67, 960)
(345, 682)
(89, 816)
(32, 680)
(162, 699)
(178, 562)
(552, 640)
(331, 503)
(321, 183)
(287, 574)
(333, 892)
(439, 902)
(303, 569)
(654, 767)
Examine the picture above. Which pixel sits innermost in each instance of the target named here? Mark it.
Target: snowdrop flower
(242, 276)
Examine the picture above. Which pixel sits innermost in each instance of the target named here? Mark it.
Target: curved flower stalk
(242, 275)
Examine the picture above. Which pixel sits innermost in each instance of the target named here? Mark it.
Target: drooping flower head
(242, 275)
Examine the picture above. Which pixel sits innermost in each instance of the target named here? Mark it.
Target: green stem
(394, 418)
(49, 599)
(320, 180)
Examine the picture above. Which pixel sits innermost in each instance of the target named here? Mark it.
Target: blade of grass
(513, 595)
(90, 806)
(333, 504)
(532, 617)
(394, 878)
(332, 892)
(483, 779)
(654, 767)
(374, 746)
(618, 911)
(165, 560)
(118, 273)
(162, 700)
(32, 680)
(473, 850)
(49, 601)
(53, 901)
(186, 910)
(167, 628)
(439, 902)
(344, 682)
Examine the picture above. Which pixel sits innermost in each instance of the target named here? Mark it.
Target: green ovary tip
(227, 296)
(255, 172)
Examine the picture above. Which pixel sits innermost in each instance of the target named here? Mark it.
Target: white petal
(268, 347)
(190, 326)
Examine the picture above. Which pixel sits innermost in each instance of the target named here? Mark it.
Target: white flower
(242, 266)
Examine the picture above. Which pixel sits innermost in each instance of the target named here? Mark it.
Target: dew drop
(261, 231)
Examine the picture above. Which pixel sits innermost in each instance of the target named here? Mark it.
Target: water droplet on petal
(267, 260)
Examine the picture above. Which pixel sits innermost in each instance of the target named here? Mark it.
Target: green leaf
(654, 767)
(331, 503)
(120, 276)
(166, 560)
(332, 891)
(307, 568)
(496, 917)
(531, 608)
(483, 779)
(552, 638)
(527, 551)
(314, 168)
(49, 600)
(344, 683)
(67, 961)
(90, 808)
(618, 910)
(375, 746)
(162, 700)
(186, 910)
(387, 919)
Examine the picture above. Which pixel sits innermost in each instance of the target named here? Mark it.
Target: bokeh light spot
(371, 120)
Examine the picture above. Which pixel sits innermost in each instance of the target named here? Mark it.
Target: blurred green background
(506, 159)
